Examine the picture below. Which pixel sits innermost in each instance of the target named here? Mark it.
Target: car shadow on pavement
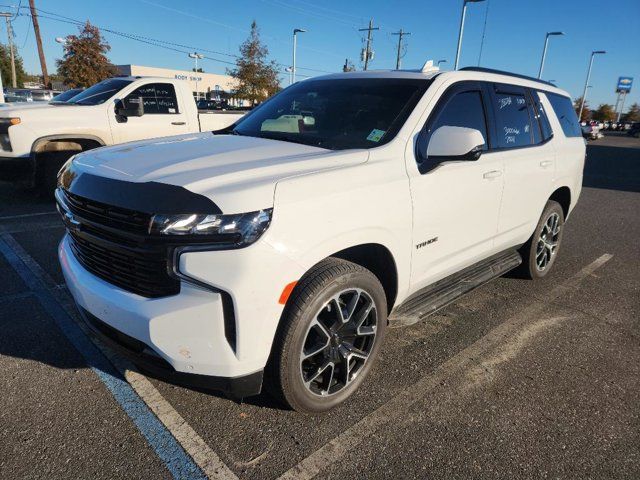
(612, 168)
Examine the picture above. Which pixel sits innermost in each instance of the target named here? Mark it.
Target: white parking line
(205, 458)
(458, 365)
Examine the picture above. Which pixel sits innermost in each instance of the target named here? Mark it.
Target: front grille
(112, 244)
(107, 215)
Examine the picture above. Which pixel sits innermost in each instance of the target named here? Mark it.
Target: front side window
(157, 98)
(513, 121)
(463, 109)
(567, 117)
(337, 113)
(100, 92)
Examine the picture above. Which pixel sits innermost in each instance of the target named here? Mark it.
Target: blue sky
(513, 38)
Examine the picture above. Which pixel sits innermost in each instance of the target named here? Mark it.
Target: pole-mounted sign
(624, 84)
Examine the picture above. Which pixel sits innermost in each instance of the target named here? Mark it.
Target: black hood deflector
(146, 197)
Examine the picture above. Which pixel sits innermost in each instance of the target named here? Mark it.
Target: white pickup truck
(35, 140)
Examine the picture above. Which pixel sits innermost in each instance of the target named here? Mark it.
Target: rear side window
(542, 118)
(158, 98)
(513, 121)
(567, 117)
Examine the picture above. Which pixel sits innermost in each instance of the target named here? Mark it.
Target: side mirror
(449, 143)
(134, 109)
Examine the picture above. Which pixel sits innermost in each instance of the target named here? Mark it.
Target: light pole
(295, 41)
(196, 56)
(441, 61)
(586, 83)
(464, 11)
(544, 50)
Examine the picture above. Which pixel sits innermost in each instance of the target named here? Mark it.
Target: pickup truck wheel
(331, 331)
(540, 252)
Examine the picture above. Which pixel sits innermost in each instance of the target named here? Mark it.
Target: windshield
(64, 96)
(100, 92)
(336, 114)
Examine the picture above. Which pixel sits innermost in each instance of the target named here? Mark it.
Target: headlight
(64, 169)
(237, 230)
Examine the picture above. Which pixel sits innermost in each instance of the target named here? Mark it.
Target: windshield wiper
(285, 137)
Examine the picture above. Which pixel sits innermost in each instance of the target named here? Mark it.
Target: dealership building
(203, 85)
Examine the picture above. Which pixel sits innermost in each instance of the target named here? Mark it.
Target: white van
(280, 248)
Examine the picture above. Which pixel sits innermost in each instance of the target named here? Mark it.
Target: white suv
(283, 245)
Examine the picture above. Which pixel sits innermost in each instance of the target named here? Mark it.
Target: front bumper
(142, 356)
(186, 331)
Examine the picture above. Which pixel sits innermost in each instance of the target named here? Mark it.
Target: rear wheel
(330, 334)
(540, 252)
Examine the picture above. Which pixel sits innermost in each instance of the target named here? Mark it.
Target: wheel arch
(70, 142)
(562, 195)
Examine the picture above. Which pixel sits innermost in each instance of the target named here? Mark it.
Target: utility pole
(368, 53)
(7, 17)
(36, 30)
(400, 34)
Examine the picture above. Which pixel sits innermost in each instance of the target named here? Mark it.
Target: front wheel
(540, 252)
(331, 331)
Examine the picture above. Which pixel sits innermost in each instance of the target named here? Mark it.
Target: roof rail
(502, 72)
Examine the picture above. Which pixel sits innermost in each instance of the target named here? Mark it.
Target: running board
(440, 294)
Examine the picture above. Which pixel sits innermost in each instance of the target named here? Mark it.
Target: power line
(172, 46)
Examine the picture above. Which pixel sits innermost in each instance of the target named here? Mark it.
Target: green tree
(633, 114)
(604, 113)
(586, 112)
(85, 62)
(257, 76)
(5, 65)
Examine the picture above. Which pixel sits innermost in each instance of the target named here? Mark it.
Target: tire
(539, 254)
(334, 366)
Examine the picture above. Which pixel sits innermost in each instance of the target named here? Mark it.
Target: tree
(586, 113)
(604, 113)
(633, 114)
(85, 62)
(5, 65)
(257, 76)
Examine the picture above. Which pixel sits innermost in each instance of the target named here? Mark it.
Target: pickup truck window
(157, 98)
(100, 92)
(336, 114)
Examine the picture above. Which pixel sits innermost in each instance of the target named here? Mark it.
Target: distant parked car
(66, 96)
(17, 95)
(591, 132)
(634, 131)
(212, 104)
(40, 95)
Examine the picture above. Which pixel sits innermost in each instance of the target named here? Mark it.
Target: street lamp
(196, 56)
(61, 40)
(293, 67)
(464, 11)
(441, 61)
(544, 50)
(586, 83)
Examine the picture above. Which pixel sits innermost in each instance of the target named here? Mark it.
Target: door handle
(178, 123)
(492, 174)
(546, 163)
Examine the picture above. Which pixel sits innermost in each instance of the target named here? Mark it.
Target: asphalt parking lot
(519, 379)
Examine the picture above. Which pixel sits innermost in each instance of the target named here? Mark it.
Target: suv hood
(238, 173)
